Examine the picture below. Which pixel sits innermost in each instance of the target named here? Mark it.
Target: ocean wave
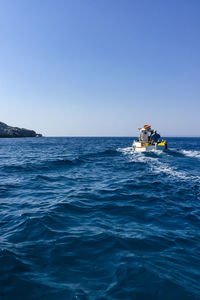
(126, 150)
(43, 165)
(191, 153)
(57, 163)
(91, 218)
(160, 167)
(91, 156)
(154, 160)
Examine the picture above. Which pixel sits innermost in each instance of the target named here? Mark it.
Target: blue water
(87, 218)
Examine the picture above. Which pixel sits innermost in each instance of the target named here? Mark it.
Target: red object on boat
(147, 126)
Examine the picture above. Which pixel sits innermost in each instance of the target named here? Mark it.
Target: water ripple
(88, 218)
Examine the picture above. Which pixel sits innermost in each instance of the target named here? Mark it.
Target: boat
(149, 140)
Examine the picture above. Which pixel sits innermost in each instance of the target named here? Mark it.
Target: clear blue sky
(100, 67)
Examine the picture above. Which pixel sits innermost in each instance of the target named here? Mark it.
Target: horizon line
(113, 136)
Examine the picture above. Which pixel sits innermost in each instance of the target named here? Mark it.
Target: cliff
(11, 132)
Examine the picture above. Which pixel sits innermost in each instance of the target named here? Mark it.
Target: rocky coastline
(7, 131)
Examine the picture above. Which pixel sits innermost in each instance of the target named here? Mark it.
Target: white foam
(191, 153)
(126, 150)
(157, 166)
(161, 167)
(133, 155)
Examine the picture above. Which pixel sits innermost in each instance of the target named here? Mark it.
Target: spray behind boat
(149, 140)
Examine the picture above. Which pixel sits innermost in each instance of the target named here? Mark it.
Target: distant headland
(7, 131)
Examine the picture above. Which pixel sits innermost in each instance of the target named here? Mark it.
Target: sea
(88, 218)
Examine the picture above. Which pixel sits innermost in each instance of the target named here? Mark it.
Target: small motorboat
(149, 140)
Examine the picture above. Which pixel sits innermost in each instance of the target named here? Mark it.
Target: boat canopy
(147, 127)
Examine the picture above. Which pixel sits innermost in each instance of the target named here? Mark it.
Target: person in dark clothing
(155, 137)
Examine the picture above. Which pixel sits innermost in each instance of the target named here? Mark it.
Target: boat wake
(190, 153)
(158, 162)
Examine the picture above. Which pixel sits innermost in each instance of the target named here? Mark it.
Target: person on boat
(150, 135)
(145, 134)
(155, 136)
